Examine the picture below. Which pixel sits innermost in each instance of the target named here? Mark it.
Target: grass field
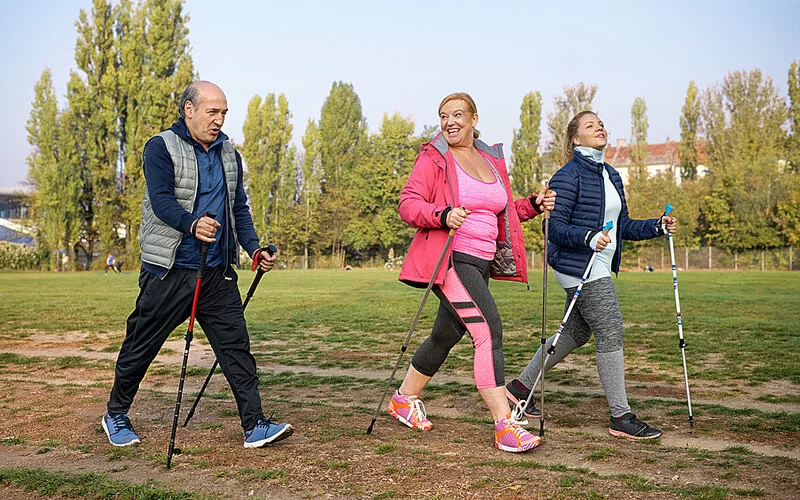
(326, 341)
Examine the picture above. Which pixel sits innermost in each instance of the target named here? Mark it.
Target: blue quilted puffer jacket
(580, 207)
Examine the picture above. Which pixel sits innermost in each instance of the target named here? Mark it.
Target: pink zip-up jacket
(431, 188)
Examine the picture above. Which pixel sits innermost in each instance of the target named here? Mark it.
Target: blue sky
(406, 56)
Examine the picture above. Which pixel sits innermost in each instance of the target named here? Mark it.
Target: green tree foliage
(55, 195)
(743, 119)
(788, 213)
(690, 116)
(95, 104)
(342, 145)
(132, 64)
(794, 113)
(155, 65)
(376, 188)
(526, 163)
(271, 160)
(576, 98)
(311, 191)
(639, 126)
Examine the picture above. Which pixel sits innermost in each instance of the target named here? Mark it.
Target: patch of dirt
(54, 416)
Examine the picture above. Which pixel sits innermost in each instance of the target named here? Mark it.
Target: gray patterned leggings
(596, 311)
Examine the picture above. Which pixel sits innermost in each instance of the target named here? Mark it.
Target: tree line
(335, 201)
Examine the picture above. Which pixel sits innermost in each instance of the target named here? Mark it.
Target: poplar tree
(311, 190)
(690, 115)
(526, 164)
(270, 159)
(155, 67)
(576, 98)
(94, 103)
(43, 167)
(342, 143)
(639, 126)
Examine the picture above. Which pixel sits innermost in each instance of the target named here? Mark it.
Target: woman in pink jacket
(458, 182)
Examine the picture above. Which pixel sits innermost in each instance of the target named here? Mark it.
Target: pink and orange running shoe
(410, 411)
(510, 436)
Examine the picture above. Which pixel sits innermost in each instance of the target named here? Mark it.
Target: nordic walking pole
(519, 411)
(413, 325)
(681, 343)
(271, 249)
(200, 272)
(546, 215)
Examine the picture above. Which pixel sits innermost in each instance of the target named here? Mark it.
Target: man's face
(206, 116)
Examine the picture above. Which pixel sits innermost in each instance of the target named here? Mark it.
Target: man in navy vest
(191, 170)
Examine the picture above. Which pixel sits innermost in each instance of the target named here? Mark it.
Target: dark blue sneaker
(119, 430)
(265, 432)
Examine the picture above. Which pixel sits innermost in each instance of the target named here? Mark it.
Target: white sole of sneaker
(108, 435)
(509, 449)
(632, 438)
(406, 422)
(285, 433)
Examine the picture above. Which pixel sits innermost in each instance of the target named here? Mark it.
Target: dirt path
(49, 418)
(201, 356)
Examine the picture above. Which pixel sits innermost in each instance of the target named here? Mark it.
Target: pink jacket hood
(430, 189)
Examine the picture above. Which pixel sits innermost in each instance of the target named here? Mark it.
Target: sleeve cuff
(591, 237)
(187, 223)
(443, 216)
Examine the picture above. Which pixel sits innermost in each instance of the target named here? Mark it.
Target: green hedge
(21, 257)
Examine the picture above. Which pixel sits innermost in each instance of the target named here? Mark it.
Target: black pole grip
(271, 249)
(201, 271)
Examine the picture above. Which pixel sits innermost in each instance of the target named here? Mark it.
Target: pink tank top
(478, 235)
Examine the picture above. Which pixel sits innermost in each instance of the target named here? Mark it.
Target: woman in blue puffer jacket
(590, 193)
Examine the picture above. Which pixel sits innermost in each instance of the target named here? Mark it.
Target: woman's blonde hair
(463, 96)
(567, 148)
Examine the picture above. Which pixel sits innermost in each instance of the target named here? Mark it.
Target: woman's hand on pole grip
(670, 222)
(602, 242)
(205, 229)
(456, 217)
(546, 198)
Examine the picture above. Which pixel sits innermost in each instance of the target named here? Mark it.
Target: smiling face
(591, 133)
(206, 115)
(458, 122)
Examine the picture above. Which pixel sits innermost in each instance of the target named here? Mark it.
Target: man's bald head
(203, 107)
(195, 92)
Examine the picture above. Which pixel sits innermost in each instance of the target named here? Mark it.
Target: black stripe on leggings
(473, 319)
(463, 305)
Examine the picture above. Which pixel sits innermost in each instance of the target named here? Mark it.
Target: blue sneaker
(265, 432)
(119, 430)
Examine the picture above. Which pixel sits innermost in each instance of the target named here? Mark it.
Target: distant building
(662, 159)
(12, 202)
(15, 233)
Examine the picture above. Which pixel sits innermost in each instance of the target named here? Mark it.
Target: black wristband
(193, 229)
(588, 240)
(443, 216)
